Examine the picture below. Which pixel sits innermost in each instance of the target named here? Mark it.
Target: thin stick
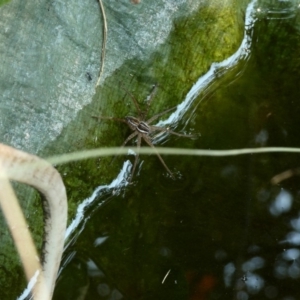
(104, 41)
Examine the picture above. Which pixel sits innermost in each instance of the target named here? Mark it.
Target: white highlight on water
(113, 188)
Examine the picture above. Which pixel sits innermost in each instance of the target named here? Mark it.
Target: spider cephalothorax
(142, 128)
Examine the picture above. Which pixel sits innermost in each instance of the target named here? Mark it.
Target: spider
(142, 128)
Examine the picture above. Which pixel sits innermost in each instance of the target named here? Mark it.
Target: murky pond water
(227, 227)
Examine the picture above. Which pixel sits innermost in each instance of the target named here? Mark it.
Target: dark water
(225, 230)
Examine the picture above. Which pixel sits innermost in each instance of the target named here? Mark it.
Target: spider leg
(109, 118)
(157, 128)
(136, 104)
(147, 140)
(159, 115)
(130, 137)
(136, 156)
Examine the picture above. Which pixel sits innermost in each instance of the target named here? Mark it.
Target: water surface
(226, 228)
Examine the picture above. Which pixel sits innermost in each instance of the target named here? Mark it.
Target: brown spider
(142, 129)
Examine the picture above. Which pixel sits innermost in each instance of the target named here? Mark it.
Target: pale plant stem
(93, 153)
(104, 41)
(19, 230)
(29, 169)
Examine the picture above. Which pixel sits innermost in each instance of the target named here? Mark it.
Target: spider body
(132, 122)
(142, 128)
(136, 124)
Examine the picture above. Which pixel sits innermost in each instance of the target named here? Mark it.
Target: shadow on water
(223, 230)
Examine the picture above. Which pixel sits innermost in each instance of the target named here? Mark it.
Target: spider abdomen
(143, 127)
(136, 124)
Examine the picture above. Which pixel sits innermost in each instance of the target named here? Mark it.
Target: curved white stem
(29, 169)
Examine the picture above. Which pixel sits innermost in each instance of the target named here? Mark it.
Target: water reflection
(262, 138)
(254, 283)
(282, 9)
(216, 69)
(253, 264)
(229, 271)
(282, 203)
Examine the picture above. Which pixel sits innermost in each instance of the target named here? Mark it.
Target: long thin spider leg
(157, 128)
(130, 137)
(136, 104)
(147, 140)
(160, 114)
(151, 97)
(109, 118)
(136, 156)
